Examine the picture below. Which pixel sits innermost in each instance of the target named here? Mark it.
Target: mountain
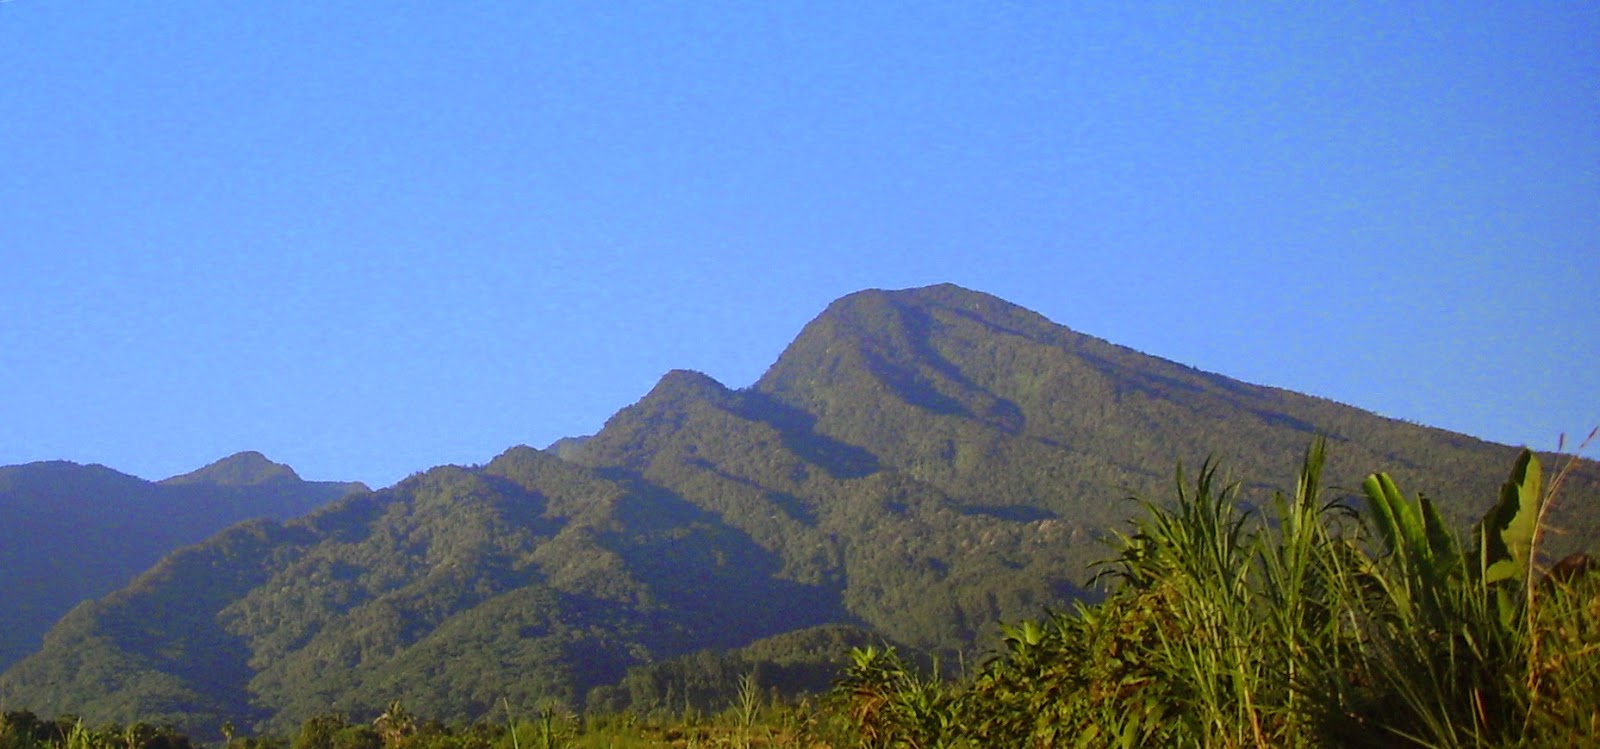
(916, 465)
(248, 468)
(69, 532)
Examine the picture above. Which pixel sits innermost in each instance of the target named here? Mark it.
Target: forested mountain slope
(70, 532)
(919, 463)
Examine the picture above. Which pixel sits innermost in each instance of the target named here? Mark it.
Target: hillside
(917, 463)
(69, 532)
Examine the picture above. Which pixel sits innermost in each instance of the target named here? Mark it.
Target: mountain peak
(683, 385)
(897, 335)
(985, 308)
(248, 468)
(924, 462)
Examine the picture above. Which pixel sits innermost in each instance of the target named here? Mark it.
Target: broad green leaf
(1401, 527)
(1445, 550)
(1509, 527)
(1381, 511)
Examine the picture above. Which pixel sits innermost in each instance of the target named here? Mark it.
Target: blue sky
(369, 238)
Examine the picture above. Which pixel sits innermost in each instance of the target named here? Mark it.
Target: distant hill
(69, 532)
(248, 468)
(916, 466)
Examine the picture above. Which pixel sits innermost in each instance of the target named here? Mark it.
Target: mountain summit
(920, 463)
(248, 468)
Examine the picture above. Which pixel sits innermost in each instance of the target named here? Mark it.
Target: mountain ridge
(918, 464)
(72, 532)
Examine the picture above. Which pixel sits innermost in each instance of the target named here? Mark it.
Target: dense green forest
(917, 468)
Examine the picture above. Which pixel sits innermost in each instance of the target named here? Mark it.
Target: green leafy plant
(1306, 624)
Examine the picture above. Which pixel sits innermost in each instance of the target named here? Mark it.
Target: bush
(1312, 624)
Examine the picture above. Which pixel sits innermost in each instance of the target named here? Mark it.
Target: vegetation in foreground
(1311, 624)
(1306, 624)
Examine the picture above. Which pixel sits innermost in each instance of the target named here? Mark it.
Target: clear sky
(367, 238)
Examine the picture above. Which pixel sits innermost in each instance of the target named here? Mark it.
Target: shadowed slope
(69, 532)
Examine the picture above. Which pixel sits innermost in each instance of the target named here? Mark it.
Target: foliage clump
(1313, 623)
(21, 729)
